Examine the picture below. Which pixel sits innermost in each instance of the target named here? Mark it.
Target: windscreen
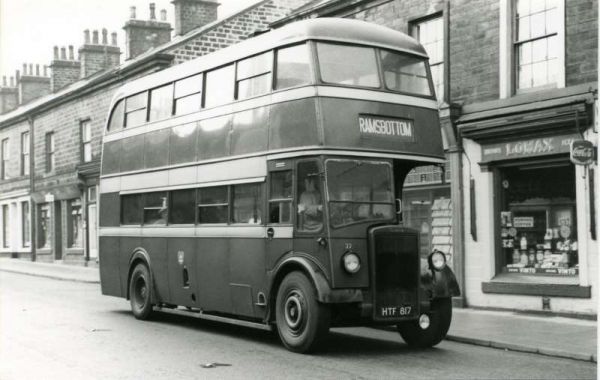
(359, 191)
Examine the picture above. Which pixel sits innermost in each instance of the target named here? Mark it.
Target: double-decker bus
(261, 185)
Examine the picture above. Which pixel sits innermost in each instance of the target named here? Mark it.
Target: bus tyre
(302, 322)
(439, 323)
(140, 292)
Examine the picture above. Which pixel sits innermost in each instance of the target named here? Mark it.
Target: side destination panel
(396, 128)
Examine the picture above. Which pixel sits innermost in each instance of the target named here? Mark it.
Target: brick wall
(234, 29)
(581, 41)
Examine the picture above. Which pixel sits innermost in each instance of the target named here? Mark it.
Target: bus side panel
(213, 274)
(341, 121)
(293, 123)
(247, 271)
(127, 246)
(157, 250)
(132, 154)
(110, 278)
(111, 157)
(181, 258)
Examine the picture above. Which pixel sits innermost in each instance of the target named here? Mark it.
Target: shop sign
(528, 148)
(582, 152)
(523, 221)
(386, 127)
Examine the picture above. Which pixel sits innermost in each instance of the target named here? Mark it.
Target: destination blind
(386, 127)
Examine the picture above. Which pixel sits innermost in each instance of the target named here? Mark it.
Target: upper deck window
(348, 65)
(405, 73)
(254, 75)
(219, 86)
(188, 95)
(293, 66)
(135, 109)
(161, 102)
(116, 119)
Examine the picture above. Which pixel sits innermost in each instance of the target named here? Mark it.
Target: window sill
(536, 285)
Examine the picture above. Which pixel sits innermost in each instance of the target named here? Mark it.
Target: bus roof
(328, 29)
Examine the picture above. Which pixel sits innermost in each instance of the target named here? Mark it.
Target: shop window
(135, 109)
(247, 203)
(219, 86)
(254, 75)
(75, 224)
(538, 220)
(25, 225)
(5, 227)
(430, 33)
(155, 208)
(25, 153)
(280, 197)
(161, 102)
(213, 205)
(293, 66)
(86, 141)
(182, 207)
(44, 226)
(188, 95)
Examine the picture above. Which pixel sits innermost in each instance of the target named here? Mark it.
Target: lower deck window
(213, 205)
(538, 221)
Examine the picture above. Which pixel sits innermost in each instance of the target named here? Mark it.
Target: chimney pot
(17, 76)
(12, 82)
(4, 81)
(56, 52)
(71, 53)
(152, 11)
(37, 70)
(45, 70)
(86, 36)
(63, 53)
(31, 69)
(24, 69)
(132, 12)
(104, 36)
(114, 38)
(163, 15)
(95, 37)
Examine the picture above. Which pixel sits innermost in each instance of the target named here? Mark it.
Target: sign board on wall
(582, 152)
(528, 148)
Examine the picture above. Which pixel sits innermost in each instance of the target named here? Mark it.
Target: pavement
(550, 335)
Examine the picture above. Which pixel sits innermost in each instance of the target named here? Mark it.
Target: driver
(310, 207)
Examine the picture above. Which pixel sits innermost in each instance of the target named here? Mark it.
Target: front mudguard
(439, 283)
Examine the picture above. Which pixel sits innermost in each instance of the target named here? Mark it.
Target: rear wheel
(419, 335)
(140, 292)
(302, 322)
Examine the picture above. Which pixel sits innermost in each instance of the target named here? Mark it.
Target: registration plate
(395, 311)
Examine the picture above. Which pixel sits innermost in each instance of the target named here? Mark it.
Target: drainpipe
(32, 205)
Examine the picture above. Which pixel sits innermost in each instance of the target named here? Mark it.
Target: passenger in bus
(310, 207)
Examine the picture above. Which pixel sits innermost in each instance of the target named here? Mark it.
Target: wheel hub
(294, 311)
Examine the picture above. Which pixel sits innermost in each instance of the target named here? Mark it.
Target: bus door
(310, 234)
(280, 211)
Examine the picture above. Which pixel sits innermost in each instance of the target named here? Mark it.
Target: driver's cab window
(310, 199)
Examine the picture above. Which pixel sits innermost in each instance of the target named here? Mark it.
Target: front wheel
(302, 322)
(419, 335)
(140, 292)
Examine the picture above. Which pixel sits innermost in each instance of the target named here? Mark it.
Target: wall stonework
(581, 41)
(192, 14)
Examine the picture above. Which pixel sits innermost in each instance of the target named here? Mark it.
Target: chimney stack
(163, 15)
(32, 85)
(97, 57)
(64, 70)
(193, 14)
(9, 96)
(143, 35)
(113, 41)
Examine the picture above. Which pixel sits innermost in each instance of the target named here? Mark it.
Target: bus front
(378, 118)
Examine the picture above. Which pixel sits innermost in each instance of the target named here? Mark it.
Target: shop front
(531, 211)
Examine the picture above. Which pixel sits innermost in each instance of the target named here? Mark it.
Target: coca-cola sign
(582, 152)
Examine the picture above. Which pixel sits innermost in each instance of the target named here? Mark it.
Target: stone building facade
(510, 75)
(54, 131)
